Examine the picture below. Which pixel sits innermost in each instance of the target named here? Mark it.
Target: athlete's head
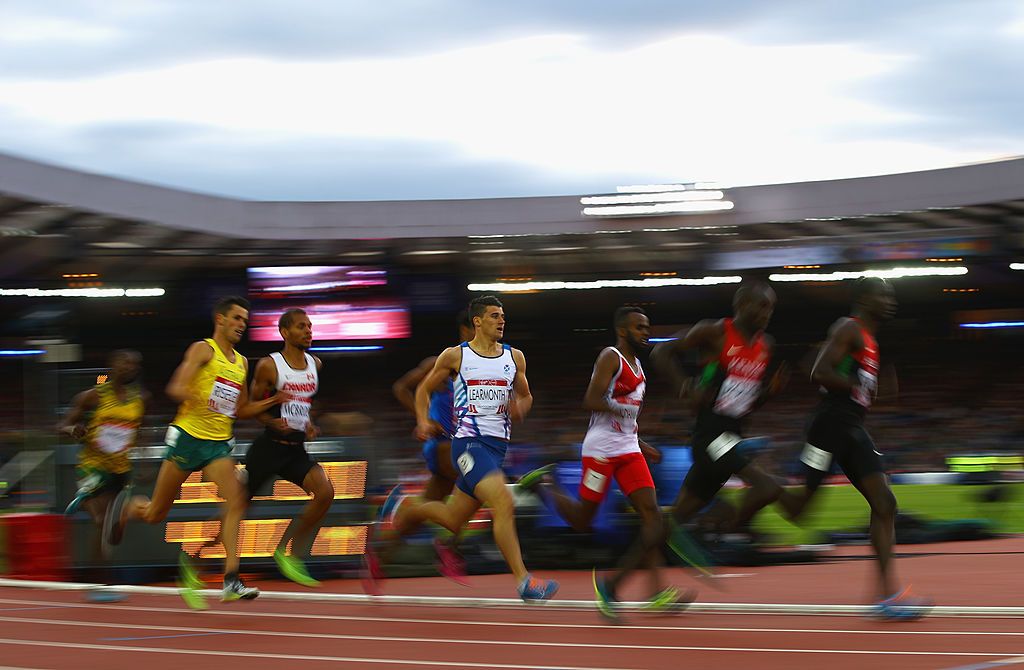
(125, 365)
(231, 317)
(464, 322)
(631, 324)
(875, 297)
(296, 328)
(488, 315)
(753, 305)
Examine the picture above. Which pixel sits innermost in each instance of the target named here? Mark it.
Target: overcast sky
(399, 99)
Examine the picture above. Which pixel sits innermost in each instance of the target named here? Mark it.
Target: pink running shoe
(372, 573)
(450, 564)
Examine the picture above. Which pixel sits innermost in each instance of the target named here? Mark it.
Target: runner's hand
(650, 453)
(279, 425)
(426, 430)
(312, 432)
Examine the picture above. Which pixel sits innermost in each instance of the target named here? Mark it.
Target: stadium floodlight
(82, 292)
(994, 324)
(892, 273)
(22, 352)
(649, 282)
(685, 196)
(660, 209)
(1017, 266)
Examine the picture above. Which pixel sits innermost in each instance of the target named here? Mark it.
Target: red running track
(56, 629)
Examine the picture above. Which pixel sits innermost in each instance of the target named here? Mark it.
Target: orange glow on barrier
(348, 477)
(257, 538)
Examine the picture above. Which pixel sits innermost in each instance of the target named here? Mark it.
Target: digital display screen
(282, 282)
(358, 319)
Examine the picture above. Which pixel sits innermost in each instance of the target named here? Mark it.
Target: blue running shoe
(537, 589)
(902, 607)
(387, 510)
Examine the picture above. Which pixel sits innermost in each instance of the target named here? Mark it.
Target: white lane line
(432, 640)
(513, 624)
(515, 603)
(757, 650)
(293, 657)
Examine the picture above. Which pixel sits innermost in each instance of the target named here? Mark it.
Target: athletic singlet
(861, 367)
(442, 408)
(482, 391)
(738, 374)
(615, 433)
(301, 385)
(112, 429)
(209, 411)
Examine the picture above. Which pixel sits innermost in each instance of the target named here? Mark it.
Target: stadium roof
(53, 219)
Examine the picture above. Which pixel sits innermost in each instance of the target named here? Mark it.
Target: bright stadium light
(663, 208)
(649, 282)
(685, 196)
(82, 292)
(350, 347)
(893, 273)
(994, 324)
(22, 352)
(1017, 266)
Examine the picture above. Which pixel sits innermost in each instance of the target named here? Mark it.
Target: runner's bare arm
(405, 388)
(73, 424)
(444, 366)
(197, 355)
(522, 400)
(264, 382)
(247, 409)
(705, 337)
(596, 397)
(844, 339)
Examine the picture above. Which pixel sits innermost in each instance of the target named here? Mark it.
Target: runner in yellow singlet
(210, 385)
(106, 419)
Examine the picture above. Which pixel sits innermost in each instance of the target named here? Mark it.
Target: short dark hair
(224, 305)
(622, 314)
(866, 286)
(123, 353)
(477, 306)
(463, 320)
(289, 316)
(746, 291)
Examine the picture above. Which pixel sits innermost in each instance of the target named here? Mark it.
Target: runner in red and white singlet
(612, 449)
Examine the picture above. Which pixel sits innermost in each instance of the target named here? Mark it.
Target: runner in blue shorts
(437, 456)
(491, 391)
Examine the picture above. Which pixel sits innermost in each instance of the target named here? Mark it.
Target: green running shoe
(294, 569)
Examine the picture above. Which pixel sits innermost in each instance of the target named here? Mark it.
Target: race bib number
(595, 481)
(112, 438)
(866, 389)
(465, 462)
(296, 413)
(224, 397)
(487, 397)
(737, 396)
(722, 445)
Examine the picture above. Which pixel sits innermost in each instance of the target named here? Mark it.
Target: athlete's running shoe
(115, 519)
(450, 564)
(391, 504)
(190, 585)
(605, 601)
(686, 548)
(537, 589)
(372, 572)
(294, 569)
(902, 607)
(234, 589)
(533, 478)
(670, 600)
(103, 595)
